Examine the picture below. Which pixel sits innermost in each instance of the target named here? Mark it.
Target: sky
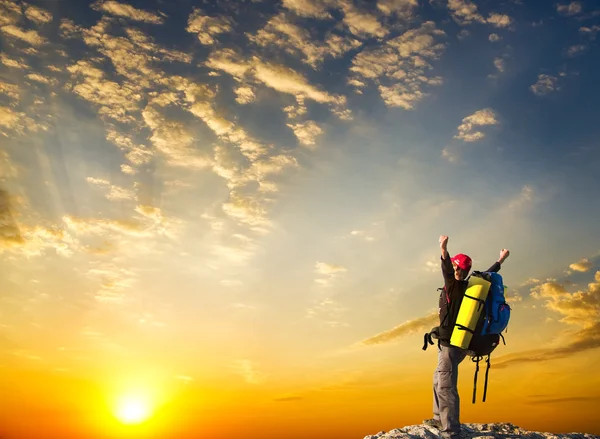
(230, 212)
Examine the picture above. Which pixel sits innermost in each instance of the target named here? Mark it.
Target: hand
(443, 242)
(504, 253)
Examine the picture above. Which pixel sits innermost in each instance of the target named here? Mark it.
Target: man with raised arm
(446, 401)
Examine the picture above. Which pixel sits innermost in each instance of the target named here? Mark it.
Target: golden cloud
(207, 27)
(467, 130)
(400, 66)
(127, 11)
(582, 265)
(405, 9)
(406, 328)
(280, 31)
(16, 64)
(306, 132)
(30, 36)
(309, 8)
(38, 15)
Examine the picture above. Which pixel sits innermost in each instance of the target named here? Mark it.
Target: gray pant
(446, 402)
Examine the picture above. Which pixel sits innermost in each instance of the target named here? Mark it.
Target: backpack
(492, 321)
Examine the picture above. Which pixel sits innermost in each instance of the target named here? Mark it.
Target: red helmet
(462, 261)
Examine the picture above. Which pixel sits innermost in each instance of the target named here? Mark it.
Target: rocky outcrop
(480, 431)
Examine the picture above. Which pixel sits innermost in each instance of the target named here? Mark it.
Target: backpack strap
(486, 377)
(476, 361)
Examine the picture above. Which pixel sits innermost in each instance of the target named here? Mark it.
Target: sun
(133, 409)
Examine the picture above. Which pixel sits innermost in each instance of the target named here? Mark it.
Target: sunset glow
(220, 219)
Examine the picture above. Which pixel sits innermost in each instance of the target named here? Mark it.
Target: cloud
(113, 192)
(464, 12)
(582, 265)
(306, 132)
(40, 78)
(570, 9)
(499, 64)
(405, 9)
(117, 101)
(328, 269)
(9, 62)
(575, 50)
(523, 199)
(248, 370)
(15, 122)
(286, 80)
(31, 36)
(38, 15)
(173, 141)
(399, 67)
(248, 209)
(207, 27)
(406, 328)
(545, 84)
(467, 130)
(590, 31)
(360, 23)
(494, 37)
(281, 32)
(309, 8)
(127, 11)
(245, 95)
(580, 341)
(499, 20)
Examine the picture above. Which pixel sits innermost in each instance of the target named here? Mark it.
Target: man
(446, 401)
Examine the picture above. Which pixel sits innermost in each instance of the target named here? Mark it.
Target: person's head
(462, 265)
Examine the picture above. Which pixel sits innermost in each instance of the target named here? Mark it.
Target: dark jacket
(451, 298)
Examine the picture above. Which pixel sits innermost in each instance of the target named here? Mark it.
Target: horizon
(220, 219)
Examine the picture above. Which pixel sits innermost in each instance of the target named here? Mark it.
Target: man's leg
(447, 391)
(436, 400)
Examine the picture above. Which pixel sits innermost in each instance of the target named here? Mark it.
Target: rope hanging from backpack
(486, 377)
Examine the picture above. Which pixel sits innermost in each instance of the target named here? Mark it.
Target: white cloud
(590, 31)
(127, 11)
(494, 37)
(545, 84)
(499, 64)
(575, 50)
(467, 130)
(570, 9)
(207, 27)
